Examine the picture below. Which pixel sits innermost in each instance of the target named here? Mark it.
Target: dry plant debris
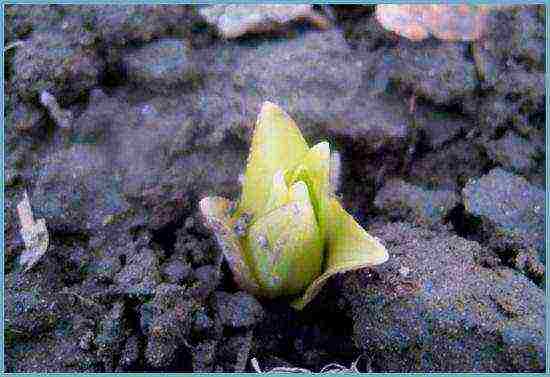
(35, 234)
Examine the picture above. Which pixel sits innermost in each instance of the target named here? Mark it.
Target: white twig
(330, 368)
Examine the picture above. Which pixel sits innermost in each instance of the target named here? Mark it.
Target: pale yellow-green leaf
(315, 172)
(277, 144)
(279, 194)
(285, 246)
(215, 211)
(349, 247)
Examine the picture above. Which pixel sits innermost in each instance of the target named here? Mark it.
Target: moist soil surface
(119, 119)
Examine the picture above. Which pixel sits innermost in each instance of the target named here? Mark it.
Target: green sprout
(288, 233)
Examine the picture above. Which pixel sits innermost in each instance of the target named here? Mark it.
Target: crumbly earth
(442, 155)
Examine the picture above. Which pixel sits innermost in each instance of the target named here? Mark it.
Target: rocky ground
(120, 118)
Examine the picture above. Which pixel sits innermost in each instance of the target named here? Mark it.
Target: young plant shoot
(289, 233)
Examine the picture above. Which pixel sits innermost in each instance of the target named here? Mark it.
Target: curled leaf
(215, 211)
(349, 248)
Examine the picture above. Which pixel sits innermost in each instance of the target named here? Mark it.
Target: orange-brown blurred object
(446, 22)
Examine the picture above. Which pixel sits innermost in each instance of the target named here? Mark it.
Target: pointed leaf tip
(277, 144)
(269, 106)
